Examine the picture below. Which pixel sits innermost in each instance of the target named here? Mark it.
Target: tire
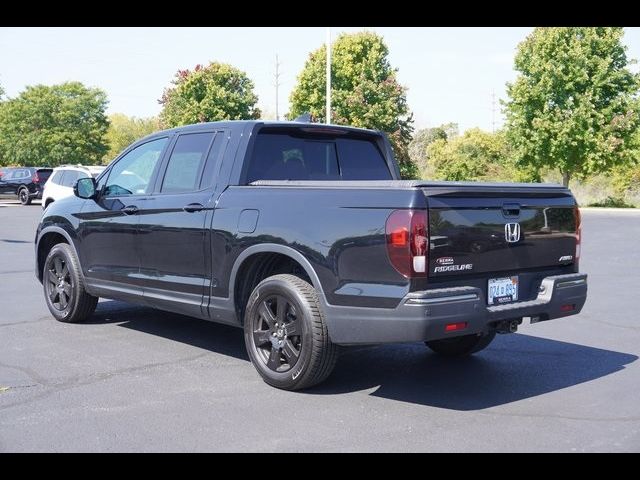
(63, 286)
(23, 196)
(286, 334)
(461, 346)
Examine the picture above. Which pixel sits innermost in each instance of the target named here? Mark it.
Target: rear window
(299, 156)
(44, 174)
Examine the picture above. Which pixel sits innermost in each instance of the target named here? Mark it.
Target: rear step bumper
(424, 315)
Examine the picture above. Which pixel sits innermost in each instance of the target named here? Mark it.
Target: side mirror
(85, 188)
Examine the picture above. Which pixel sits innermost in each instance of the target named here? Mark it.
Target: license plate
(502, 290)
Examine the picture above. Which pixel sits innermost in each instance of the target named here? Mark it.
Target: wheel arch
(261, 261)
(47, 239)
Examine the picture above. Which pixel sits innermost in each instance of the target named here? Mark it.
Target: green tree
(53, 125)
(477, 155)
(425, 137)
(207, 94)
(364, 91)
(573, 107)
(124, 130)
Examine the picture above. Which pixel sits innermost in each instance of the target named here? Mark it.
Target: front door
(108, 230)
(173, 241)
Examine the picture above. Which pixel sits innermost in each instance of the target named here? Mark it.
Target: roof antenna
(305, 117)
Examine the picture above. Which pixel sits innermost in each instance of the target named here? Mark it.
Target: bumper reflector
(452, 327)
(567, 308)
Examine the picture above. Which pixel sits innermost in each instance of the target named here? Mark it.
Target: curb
(609, 209)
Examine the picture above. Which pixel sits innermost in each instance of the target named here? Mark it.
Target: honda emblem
(512, 232)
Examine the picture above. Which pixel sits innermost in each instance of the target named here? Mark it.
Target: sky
(452, 74)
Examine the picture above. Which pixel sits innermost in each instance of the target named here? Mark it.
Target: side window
(209, 172)
(185, 163)
(19, 174)
(132, 173)
(57, 177)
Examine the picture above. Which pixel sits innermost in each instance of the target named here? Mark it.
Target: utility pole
(493, 112)
(328, 94)
(277, 85)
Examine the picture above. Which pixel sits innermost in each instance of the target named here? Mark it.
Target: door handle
(193, 207)
(130, 209)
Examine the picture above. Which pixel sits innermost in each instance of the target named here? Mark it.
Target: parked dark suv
(25, 182)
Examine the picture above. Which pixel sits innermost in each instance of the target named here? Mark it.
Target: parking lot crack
(53, 387)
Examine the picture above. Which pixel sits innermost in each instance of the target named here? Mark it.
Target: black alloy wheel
(286, 334)
(23, 196)
(59, 285)
(277, 333)
(63, 286)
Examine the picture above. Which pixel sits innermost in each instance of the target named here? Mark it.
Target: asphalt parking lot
(137, 379)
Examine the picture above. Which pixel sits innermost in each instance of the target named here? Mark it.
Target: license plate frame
(502, 290)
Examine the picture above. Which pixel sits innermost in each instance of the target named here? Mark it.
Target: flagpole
(328, 93)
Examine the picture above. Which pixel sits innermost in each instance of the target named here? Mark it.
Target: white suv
(62, 180)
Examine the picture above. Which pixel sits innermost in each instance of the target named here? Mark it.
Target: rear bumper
(423, 315)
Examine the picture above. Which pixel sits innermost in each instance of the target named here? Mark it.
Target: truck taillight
(576, 212)
(408, 242)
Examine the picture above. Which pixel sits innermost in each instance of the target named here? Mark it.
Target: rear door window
(186, 163)
(57, 177)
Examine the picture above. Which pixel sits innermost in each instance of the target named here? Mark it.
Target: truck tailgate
(493, 228)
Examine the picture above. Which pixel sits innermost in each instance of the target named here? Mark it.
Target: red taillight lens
(576, 212)
(407, 242)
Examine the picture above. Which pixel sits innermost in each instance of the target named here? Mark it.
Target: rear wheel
(286, 334)
(23, 196)
(63, 287)
(461, 346)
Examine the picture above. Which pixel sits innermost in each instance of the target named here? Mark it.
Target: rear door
(173, 242)
(5, 181)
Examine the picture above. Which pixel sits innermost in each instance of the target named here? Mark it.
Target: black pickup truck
(304, 235)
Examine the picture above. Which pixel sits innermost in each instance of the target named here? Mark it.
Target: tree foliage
(364, 91)
(573, 106)
(53, 125)
(216, 92)
(477, 155)
(124, 130)
(425, 137)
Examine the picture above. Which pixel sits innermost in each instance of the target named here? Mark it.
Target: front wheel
(24, 197)
(286, 334)
(63, 288)
(461, 346)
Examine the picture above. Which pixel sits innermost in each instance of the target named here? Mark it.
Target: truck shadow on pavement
(513, 368)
